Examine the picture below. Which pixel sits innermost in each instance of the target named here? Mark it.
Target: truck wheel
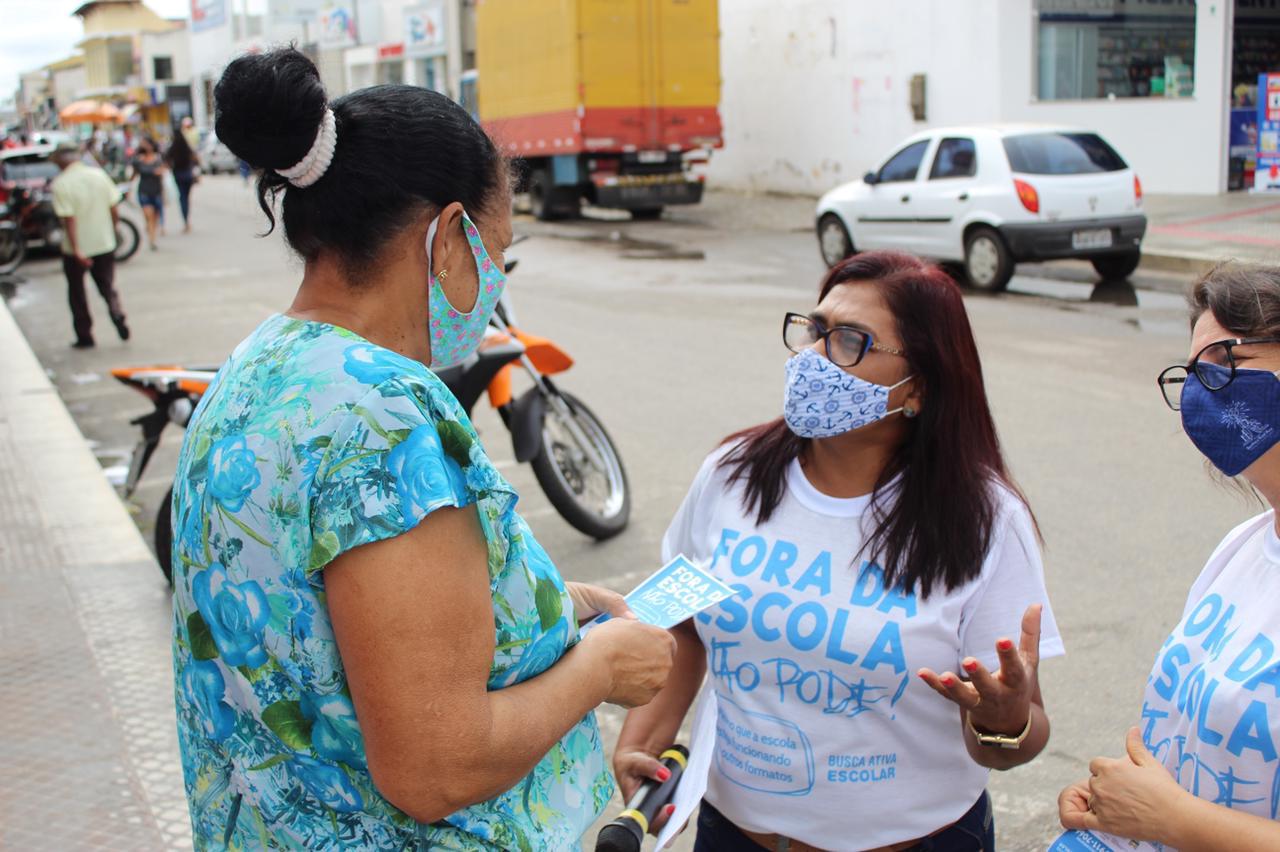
(647, 214)
(549, 202)
(1117, 267)
(987, 262)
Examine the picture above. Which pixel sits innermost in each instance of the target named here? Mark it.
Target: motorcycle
(573, 458)
(27, 217)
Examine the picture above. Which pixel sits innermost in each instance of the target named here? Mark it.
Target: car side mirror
(870, 179)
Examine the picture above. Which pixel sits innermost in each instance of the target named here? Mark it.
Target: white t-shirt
(1212, 706)
(824, 732)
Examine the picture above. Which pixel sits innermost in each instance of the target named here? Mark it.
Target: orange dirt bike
(572, 455)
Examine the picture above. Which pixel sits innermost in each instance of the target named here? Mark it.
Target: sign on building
(208, 14)
(1266, 176)
(424, 30)
(338, 26)
(293, 11)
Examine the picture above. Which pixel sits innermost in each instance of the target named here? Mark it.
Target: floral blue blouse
(312, 441)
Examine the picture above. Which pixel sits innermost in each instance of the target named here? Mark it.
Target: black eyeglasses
(1219, 354)
(845, 346)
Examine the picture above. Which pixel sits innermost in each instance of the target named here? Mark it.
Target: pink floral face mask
(456, 334)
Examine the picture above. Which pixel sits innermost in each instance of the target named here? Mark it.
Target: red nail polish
(947, 680)
(664, 774)
(1006, 644)
(971, 666)
(668, 811)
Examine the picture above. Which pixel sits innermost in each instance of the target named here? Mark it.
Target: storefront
(1205, 55)
(1255, 51)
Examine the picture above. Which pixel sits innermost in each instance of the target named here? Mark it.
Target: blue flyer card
(1097, 841)
(674, 593)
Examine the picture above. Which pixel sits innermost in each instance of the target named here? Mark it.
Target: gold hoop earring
(441, 275)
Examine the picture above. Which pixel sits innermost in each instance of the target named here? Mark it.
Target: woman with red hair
(880, 655)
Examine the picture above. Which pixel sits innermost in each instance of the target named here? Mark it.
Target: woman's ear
(448, 243)
(915, 398)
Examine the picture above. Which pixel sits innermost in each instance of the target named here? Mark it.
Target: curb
(1186, 262)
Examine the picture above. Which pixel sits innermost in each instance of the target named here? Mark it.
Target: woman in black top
(149, 169)
(183, 161)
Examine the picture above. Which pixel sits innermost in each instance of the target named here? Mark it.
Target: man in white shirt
(85, 199)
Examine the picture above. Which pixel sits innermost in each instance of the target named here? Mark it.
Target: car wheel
(834, 242)
(987, 262)
(1117, 267)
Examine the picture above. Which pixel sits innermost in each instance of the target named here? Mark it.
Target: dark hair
(401, 150)
(1244, 298)
(938, 526)
(180, 155)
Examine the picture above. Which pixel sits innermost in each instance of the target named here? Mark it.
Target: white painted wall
(1176, 145)
(819, 95)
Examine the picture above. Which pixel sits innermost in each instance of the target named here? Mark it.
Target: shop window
(162, 67)
(1115, 49)
(391, 72)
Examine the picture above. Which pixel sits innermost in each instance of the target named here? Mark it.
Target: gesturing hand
(1132, 796)
(998, 703)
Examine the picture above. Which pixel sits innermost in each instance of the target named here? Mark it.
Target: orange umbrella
(92, 112)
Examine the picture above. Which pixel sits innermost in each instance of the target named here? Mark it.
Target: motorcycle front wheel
(127, 240)
(13, 247)
(591, 494)
(164, 536)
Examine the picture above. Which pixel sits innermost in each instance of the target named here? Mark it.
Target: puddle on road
(1118, 293)
(632, 248)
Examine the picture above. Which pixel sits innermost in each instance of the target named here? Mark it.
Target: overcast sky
(37, 32)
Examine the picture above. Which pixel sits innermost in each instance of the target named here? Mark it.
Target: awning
(90, 112)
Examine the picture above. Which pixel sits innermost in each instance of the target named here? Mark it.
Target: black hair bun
(269, 107)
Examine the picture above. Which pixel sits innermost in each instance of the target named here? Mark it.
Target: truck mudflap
(638, 192)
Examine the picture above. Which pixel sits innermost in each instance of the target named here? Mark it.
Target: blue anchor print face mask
(823, 401)
(1234, 426)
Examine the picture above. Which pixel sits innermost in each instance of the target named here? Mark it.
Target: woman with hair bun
(371, 649)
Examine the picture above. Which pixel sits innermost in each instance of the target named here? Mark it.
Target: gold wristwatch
(1000, 740)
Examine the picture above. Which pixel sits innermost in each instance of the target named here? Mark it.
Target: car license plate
(1099, 238)
(652, 156)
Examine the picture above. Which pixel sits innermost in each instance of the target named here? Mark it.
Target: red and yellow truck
(603, 100)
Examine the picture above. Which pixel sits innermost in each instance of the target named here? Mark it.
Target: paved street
(674, 325)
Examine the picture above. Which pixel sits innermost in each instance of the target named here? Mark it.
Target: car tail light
(1137, 189)
(1027, 195)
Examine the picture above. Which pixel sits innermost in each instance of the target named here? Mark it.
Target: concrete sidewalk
(1192, 232)
(88, 758)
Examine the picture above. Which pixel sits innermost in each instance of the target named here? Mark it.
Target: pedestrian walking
(86, 200)
(183, 162)
(370, 646)
(1200, 770)
(881, 653)
(148, 168)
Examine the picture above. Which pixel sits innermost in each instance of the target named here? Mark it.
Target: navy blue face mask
(1234, 426)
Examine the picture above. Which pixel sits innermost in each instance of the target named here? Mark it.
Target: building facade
(820, 94)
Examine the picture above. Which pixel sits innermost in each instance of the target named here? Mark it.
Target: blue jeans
(184, 180)
(973, 832)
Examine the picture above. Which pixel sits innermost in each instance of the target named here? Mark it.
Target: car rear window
(30, 170)
(1061, 154)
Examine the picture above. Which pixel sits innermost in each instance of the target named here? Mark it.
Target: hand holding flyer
(675, 592)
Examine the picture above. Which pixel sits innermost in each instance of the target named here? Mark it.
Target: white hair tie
(313, 166)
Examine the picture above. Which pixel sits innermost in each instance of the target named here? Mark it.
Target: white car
(991, 197)
(216, 157)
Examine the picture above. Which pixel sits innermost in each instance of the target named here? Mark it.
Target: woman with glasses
(1202, 771)
(881, 652)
